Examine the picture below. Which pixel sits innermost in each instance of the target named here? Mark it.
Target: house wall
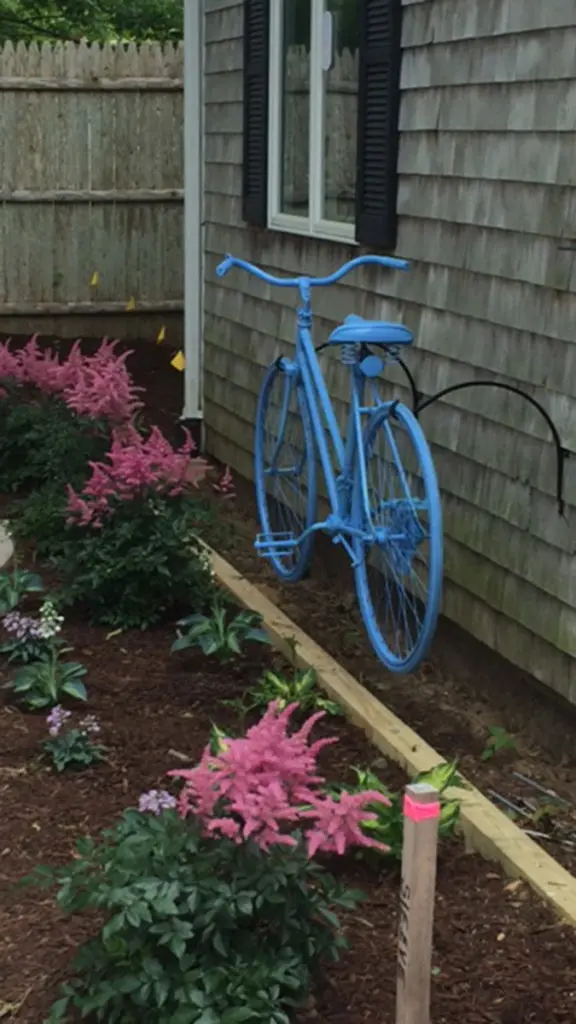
(487, 192)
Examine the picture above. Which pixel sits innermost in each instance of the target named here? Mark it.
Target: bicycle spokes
(394, 579)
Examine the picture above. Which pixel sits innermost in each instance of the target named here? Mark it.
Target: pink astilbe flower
(9, 367)
(225, 485)
(97, 386)
(266, 785)
(39, 368)
(100, 386)
(136, 467)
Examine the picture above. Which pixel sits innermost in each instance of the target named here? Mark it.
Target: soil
(500, 955)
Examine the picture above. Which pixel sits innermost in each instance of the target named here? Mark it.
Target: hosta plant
(219, 633)
(15, 585)
(215, 911)
(300, 688)
(48, 682)
(69, 745)
(32, 639)
(387, 824)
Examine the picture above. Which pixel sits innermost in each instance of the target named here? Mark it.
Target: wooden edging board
(487, 830)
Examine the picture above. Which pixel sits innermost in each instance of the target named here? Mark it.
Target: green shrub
(42, 441)
(196, 930)
(143, 562)
(39, 519)
(219, 912)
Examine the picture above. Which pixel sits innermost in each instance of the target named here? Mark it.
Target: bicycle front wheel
(399, 569)
(285, 471)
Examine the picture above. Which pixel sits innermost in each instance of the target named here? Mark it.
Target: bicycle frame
(348, 449)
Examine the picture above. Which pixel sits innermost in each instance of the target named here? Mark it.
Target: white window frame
(313, 226)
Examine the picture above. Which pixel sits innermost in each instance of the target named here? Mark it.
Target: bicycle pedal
(277, 545)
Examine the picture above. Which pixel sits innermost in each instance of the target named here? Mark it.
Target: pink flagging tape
(420, 812)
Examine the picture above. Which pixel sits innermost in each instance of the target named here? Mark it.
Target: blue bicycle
(381, 486)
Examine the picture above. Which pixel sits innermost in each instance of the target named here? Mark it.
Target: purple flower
(57, 719)
(156, 801)
(22, 626)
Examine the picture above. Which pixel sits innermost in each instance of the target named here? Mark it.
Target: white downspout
(193, 210)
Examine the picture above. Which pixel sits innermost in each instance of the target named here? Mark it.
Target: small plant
(216, 634)
(387, 824)
(45, 683)
(225, 485)
(14, 585)
(216, 912)
(32, 639)
(498, 741)
(131, 553)
(300, 688)
(71, 746)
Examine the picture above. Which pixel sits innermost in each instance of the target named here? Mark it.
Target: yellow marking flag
(95, 279)
(131, 304)
(161, 336)
(178, 362)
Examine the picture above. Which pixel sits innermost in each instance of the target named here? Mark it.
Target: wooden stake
(421, 817)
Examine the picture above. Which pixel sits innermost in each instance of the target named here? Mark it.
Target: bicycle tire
(293, 566)
(399, 515)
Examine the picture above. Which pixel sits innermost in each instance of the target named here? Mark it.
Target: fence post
(421, 818)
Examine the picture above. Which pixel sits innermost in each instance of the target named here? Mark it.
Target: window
(321, 95)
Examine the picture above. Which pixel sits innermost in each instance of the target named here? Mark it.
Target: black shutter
(378, 108)
(256, 61)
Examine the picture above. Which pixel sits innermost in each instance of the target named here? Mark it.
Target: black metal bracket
(421, 402)
(562, 454)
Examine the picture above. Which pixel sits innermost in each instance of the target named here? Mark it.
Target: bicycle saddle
(378, 332)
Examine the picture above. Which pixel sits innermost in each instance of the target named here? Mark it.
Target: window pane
(341, 113)
(295, 107)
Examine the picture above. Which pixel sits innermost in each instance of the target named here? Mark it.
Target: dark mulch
(499, 957)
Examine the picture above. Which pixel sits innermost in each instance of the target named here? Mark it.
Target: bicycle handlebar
(294, 282)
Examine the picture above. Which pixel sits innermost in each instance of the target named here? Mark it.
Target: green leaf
(182, 643)
(245, 905)
(59, 1010)
(209, 1017)
(259, 636)
(330, 917)
(233, 643)
(441, 777)
(237, 1015)
(218, 943)
(75, 689)
(177, 946)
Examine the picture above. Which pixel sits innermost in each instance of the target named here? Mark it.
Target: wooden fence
(91, 188)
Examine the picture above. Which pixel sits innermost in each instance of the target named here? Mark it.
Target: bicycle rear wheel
(399, 571)
(285, 470)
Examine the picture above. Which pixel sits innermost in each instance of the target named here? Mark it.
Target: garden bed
(122, 539)
(499, 955)
(462, 700)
